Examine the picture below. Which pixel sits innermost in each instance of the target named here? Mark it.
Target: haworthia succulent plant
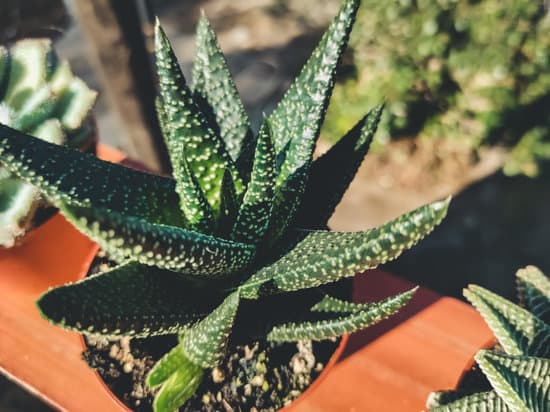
(226, 246)
(534, 292)
(520, 378)
(40, 96)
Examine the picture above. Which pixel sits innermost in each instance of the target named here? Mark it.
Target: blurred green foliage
(478, 71)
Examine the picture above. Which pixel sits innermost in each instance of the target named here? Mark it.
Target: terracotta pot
(392, 366)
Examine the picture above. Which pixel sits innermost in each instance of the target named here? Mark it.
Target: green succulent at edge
(520, 377)
(40, 96)
(234, 246)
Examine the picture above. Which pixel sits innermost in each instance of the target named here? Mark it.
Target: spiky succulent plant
(40, 96)
(520, 377)
(235, 245)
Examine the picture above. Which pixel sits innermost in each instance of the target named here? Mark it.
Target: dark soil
(259, 376)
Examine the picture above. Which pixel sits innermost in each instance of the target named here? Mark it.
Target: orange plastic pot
(392, 366)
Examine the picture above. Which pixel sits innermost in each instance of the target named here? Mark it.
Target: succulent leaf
(253, 217)
(517, 330)
(522, 382)
(213, 81)
(198, 213)
(66, 175)
(297, 119)
(367, 315)
(335, 305)
(166, 247)
(204, 343)
(178, 388)
(299, 115)
(332, 173)
(534, 292)
(229, 206)
(323, 257)
(31, 63)
(128, 300)
(204, 149)
(167, 365)
(477, 402)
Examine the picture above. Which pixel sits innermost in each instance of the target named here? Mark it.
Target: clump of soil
(258, 376)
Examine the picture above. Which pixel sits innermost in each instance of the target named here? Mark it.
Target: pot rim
(334, 358)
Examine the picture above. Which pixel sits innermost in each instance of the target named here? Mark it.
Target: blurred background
(467, 91)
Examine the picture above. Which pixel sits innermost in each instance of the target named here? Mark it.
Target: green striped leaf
(332, 173)
(166, 247)
(299, 115)
(212, 80)
(169, 364)
(522, 382)
(297, 119)
(204, 149)
(205, 343)
(229, 206)
(253, 217)
(477, 402)
(534, 292)
(198, 213)
(323, 257)
(31, 64)
(517, 330)
(68, 176)
(370, 314)
(335, 305)
(128, 300)
(178, 388)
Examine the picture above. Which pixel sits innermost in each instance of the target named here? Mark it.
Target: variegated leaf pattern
(534, 292)
(196, 209)
(212, 80)
(323, 257)
(204, 343)
(367, 315)
(297, 119)
(204, 148)
(299, 115)
(166, 247)
(332, 173)
(253, 217)
(178, 388)
(517, 330)
(477, 402)
(69, 176)
(128, 300)
(523, 382)
(331, 304)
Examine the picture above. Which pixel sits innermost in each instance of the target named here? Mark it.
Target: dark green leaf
(128, 300)
(204, 150)
(69, 176)
(166, 247)
(255, 211)
(213, 81)
(332, 173)
(323, 257)
(204, 343)
(368, 315)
